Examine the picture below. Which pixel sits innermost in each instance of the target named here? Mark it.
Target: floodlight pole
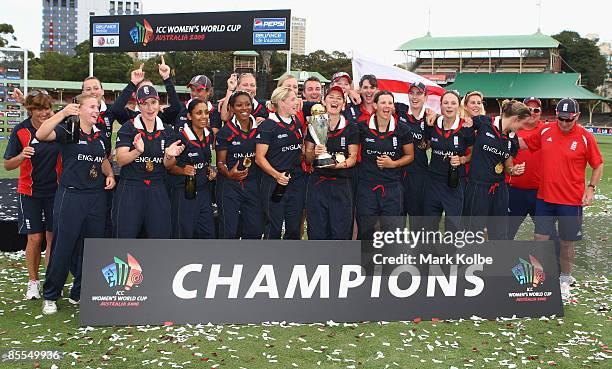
(289, 62)
(25, 72)
(91, 64)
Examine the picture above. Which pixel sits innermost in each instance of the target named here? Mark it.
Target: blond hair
(510, 108)
(280, 94)
(82, 97)
(283, 78)
(464, 112)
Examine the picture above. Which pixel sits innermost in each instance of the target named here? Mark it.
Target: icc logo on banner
(123, 274)
(142, 33)
(529, 272)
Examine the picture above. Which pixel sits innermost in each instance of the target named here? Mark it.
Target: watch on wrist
(593, 186)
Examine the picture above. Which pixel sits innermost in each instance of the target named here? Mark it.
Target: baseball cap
(200, 81)
(339, 75)
(146, 92)
(420, 85)
(534, 99)
(567, 108)
(335, 88)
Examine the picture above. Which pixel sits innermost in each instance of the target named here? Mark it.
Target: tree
(322, 62)
(582, 55)
(6, 34)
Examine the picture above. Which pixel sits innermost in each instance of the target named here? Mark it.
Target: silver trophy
(318, 126)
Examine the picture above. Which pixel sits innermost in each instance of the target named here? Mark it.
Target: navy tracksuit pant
(289, 210)
(240, 210)
(192, 218)
(136, 204)
(414, 197)
(521, 203)
(440, 198)
(76, 215)
(379, 203)
(486, 205)
(329, 208)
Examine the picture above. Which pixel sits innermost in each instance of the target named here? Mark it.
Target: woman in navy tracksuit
(39, 166)
(450, 141)
(329, 194)
(386, 147)
(238, 185)
(278, 154)
(486, 195)
(193, 218)
(145, 148)
(80, 202)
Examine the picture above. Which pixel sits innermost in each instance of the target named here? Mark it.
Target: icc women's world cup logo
(123, 274)
(142, 33)
(529, 272)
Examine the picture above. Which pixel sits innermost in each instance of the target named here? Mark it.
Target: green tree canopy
(582, 55)
(6, 34)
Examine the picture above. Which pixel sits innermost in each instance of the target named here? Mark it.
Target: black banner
(222, 31)
(128, 282)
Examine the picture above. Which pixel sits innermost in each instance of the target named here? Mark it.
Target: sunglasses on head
(35, 93)
(535, 110)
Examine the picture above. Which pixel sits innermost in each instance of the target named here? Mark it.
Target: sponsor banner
(106, 28)
(138, 282)
(242, 30)
(607, 131)
(269, 38)
(106, 41)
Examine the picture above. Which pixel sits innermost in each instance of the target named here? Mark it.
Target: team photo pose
(415, 175)
(329, 194)
(238, 180)
(145, 147)
(486, 194)
(449, 139)
(386, 147)
(278, 154)
(566, 149)
(39, 167)
(80, 201)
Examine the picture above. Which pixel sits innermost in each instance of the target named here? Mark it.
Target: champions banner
(242, 30)
(139, 282)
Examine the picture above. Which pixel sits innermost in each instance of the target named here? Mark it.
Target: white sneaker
(33, 292)
(49, 307)
(74, 302)
(565, 291)
(572, 281)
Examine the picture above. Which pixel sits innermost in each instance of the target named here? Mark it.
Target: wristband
(592, 185)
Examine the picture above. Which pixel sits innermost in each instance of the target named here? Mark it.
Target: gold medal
(339, 156)
(93, 173)
(247, 162)
(499, 168)
(149, 166)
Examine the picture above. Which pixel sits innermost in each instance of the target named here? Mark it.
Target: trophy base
(323, 162)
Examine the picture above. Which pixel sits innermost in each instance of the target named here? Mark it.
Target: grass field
(578, 340)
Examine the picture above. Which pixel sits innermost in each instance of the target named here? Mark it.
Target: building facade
(298, 36)
(62, 17)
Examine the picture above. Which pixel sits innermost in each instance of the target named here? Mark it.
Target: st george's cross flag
(396, 80)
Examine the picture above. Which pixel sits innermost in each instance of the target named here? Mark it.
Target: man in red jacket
(566, 148)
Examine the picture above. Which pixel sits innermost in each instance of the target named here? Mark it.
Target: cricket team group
(263, 169)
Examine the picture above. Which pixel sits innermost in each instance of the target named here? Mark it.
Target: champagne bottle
(190, 184)
(279, 191)
(453, 175)
(73, 128)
